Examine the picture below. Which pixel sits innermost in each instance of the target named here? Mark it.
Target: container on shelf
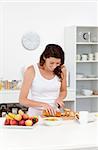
(86, 92)
(96, 55)
(91, 56)
(10, 84)
(78, 57)
(84, 57)
(1, 85)
(79, 75)
(95, 92)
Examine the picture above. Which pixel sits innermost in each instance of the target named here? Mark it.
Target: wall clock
(30, 40)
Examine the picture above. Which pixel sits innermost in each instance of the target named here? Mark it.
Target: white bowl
(91, 76)
(87, 92)
(79, 75)
(52, 121)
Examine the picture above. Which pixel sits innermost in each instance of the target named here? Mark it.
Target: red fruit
(22, 122)
(35, 119)
(25, 116)
(13, 122)
(7, 122)
(30, 118)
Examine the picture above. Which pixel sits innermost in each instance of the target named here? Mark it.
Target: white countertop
(12, 96)
(70, 135)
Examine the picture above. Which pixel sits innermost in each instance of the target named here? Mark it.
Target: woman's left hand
(59, 102)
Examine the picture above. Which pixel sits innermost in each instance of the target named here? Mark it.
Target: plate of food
(19, 121)
(52, 121)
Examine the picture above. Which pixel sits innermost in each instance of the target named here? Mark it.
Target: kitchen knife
(60, 108)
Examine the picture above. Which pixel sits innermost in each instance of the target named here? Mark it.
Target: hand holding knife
(61, 109)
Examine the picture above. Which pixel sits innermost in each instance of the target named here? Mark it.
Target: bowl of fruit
(20, 120)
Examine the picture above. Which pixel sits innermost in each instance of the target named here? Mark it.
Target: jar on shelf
(19, 84)
(6, 85)
(1, 85)
(14, 84)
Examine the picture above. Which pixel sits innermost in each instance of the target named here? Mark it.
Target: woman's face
(51, 63)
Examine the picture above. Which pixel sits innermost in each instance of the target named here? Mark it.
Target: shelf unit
(77, 44)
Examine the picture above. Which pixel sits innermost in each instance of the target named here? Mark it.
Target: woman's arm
(63, 89)
(26, 85)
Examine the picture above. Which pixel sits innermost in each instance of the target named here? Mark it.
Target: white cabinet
(81, 47)
(9, 96)
(12, 96)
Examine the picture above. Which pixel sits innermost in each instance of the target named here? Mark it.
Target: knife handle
(58, 105)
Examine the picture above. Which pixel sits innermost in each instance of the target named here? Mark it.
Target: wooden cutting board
(63, 117)
(68, 118)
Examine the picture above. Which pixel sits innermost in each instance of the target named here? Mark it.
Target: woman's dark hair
(53, 50)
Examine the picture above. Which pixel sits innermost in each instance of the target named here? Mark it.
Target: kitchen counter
(12, 96)
(68, 136)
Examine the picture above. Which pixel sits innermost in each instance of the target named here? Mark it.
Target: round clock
(30, 40)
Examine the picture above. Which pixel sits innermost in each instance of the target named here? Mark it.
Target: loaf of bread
(67, 113)
(72, 114)
(47, 114)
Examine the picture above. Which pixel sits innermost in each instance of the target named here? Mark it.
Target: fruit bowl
(52, 121)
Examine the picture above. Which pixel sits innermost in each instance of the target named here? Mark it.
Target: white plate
(47, 121)
(19, 127)
(79, 75)
(90, 119)
(2, 120)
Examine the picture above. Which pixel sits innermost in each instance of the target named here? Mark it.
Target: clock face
(31, 40)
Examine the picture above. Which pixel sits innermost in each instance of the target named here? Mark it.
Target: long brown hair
(53, 50)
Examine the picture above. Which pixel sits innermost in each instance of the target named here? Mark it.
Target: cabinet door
(9, 97)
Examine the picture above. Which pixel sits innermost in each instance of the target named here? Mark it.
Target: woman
(46, 81)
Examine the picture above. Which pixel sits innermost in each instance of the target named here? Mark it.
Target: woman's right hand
(48, 108)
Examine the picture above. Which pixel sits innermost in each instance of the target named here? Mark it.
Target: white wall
(47, 19)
